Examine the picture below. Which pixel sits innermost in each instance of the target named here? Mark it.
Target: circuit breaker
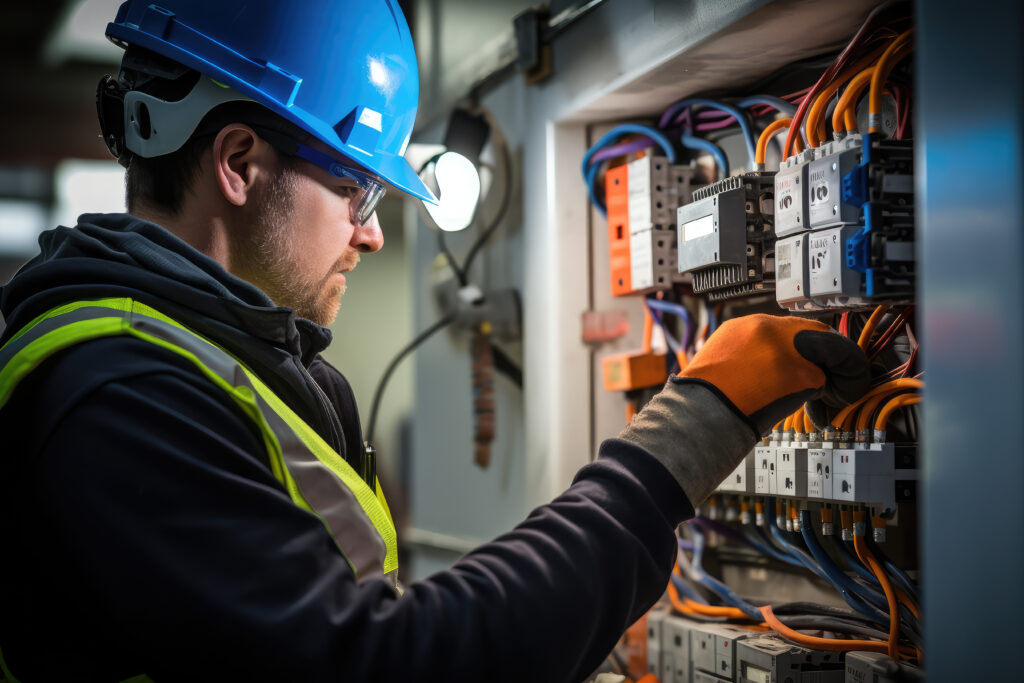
(642, 198)
(845, 226)
(726, 237)
(768, 658)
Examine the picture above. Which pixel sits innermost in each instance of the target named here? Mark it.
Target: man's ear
(240, 159)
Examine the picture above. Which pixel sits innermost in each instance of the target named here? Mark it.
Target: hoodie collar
(125, 252)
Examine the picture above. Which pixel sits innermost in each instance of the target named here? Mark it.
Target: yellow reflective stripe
(383, 502)
(373, 504)
(35, 353)
(245, 400)
(118, 304)
(368, 500)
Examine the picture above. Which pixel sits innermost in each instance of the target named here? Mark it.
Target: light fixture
(453, 175)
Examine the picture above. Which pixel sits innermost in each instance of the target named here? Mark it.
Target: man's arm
(206, 569)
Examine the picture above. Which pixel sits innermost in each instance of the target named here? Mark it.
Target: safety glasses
(362, 190)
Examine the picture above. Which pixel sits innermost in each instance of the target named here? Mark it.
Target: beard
(269, 258)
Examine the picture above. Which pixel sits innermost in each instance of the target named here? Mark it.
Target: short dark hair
(162, 182)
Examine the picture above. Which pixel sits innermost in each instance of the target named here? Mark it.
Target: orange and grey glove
(767, 366)
(751, 373)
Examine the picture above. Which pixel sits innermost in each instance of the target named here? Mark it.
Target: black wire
(379, 392)
(836, 624)
(506, 366)
(498, 217)
(442, 244)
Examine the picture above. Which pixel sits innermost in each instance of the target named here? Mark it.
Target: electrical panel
(642, 197)
(817, 522)
(726, 239)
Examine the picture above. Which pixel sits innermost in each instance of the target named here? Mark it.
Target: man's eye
(347, 191)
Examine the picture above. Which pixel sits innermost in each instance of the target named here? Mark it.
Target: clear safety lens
(366, 192)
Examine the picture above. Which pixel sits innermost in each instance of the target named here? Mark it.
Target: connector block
(741, 480)
(726, 237)
(642, 198)
(769, 658)
(633, 370)
(765, 474)
(825, 176)
(878, 474)
(792, 275)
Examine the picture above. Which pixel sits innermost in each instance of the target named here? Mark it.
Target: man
(183, 488)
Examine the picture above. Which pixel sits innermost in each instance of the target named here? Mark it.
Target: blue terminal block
(882, 250)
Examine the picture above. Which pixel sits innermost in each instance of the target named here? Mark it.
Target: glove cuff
(694, 434)
(681, 379)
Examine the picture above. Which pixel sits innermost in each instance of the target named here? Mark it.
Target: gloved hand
(766, 366)
(751, 373)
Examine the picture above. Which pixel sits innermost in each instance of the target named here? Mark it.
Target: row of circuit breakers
(832, 229)
(684, 651)
(878, 475)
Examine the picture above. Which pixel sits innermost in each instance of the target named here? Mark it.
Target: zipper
(332, 417)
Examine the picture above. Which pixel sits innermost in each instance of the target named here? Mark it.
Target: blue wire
(675, 309)
(713, 584)
(741, 118)
(787, 108)
(905, 581)
(712, 319)
(684, 544)
(590, 172)
(686, 590)
(854, 563)
(836, 575)
(693, 142)
(673, 344)
(769, 550)
(852, 600)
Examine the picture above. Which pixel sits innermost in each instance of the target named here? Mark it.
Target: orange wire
(902, 383)
(893, 405)
(848, 102)
(870, 325)
(882, 70)
(868, 409)
(890, 595)
(766, 135)
(815, 118)
(817, 643)
(808, 423)
(844, 117)
(648, 330)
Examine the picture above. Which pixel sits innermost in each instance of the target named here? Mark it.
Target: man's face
(304, 241)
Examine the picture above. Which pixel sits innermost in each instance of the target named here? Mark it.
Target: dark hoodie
(145, 533)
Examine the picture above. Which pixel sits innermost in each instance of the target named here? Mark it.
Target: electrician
(174, 503)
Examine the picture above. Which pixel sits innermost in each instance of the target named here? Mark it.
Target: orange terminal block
(633, 370)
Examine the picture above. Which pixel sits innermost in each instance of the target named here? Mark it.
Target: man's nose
(368, 238)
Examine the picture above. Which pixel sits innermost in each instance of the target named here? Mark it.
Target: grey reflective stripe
(326, 494)
(318, 488)
(11, 349)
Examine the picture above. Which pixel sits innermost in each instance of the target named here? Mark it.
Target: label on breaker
(819, 473)
(639, 198)
(788, 203)
(641, 260)
(825, 198)
(698, 228)
(764, 470)
(825, 257)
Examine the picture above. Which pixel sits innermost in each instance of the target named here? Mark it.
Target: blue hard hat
(343, 70)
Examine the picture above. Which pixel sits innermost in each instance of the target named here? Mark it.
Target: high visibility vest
(315, 476)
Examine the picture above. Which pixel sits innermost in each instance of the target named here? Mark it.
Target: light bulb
(458, 184)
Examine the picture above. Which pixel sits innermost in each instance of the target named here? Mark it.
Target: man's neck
(207, 235)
